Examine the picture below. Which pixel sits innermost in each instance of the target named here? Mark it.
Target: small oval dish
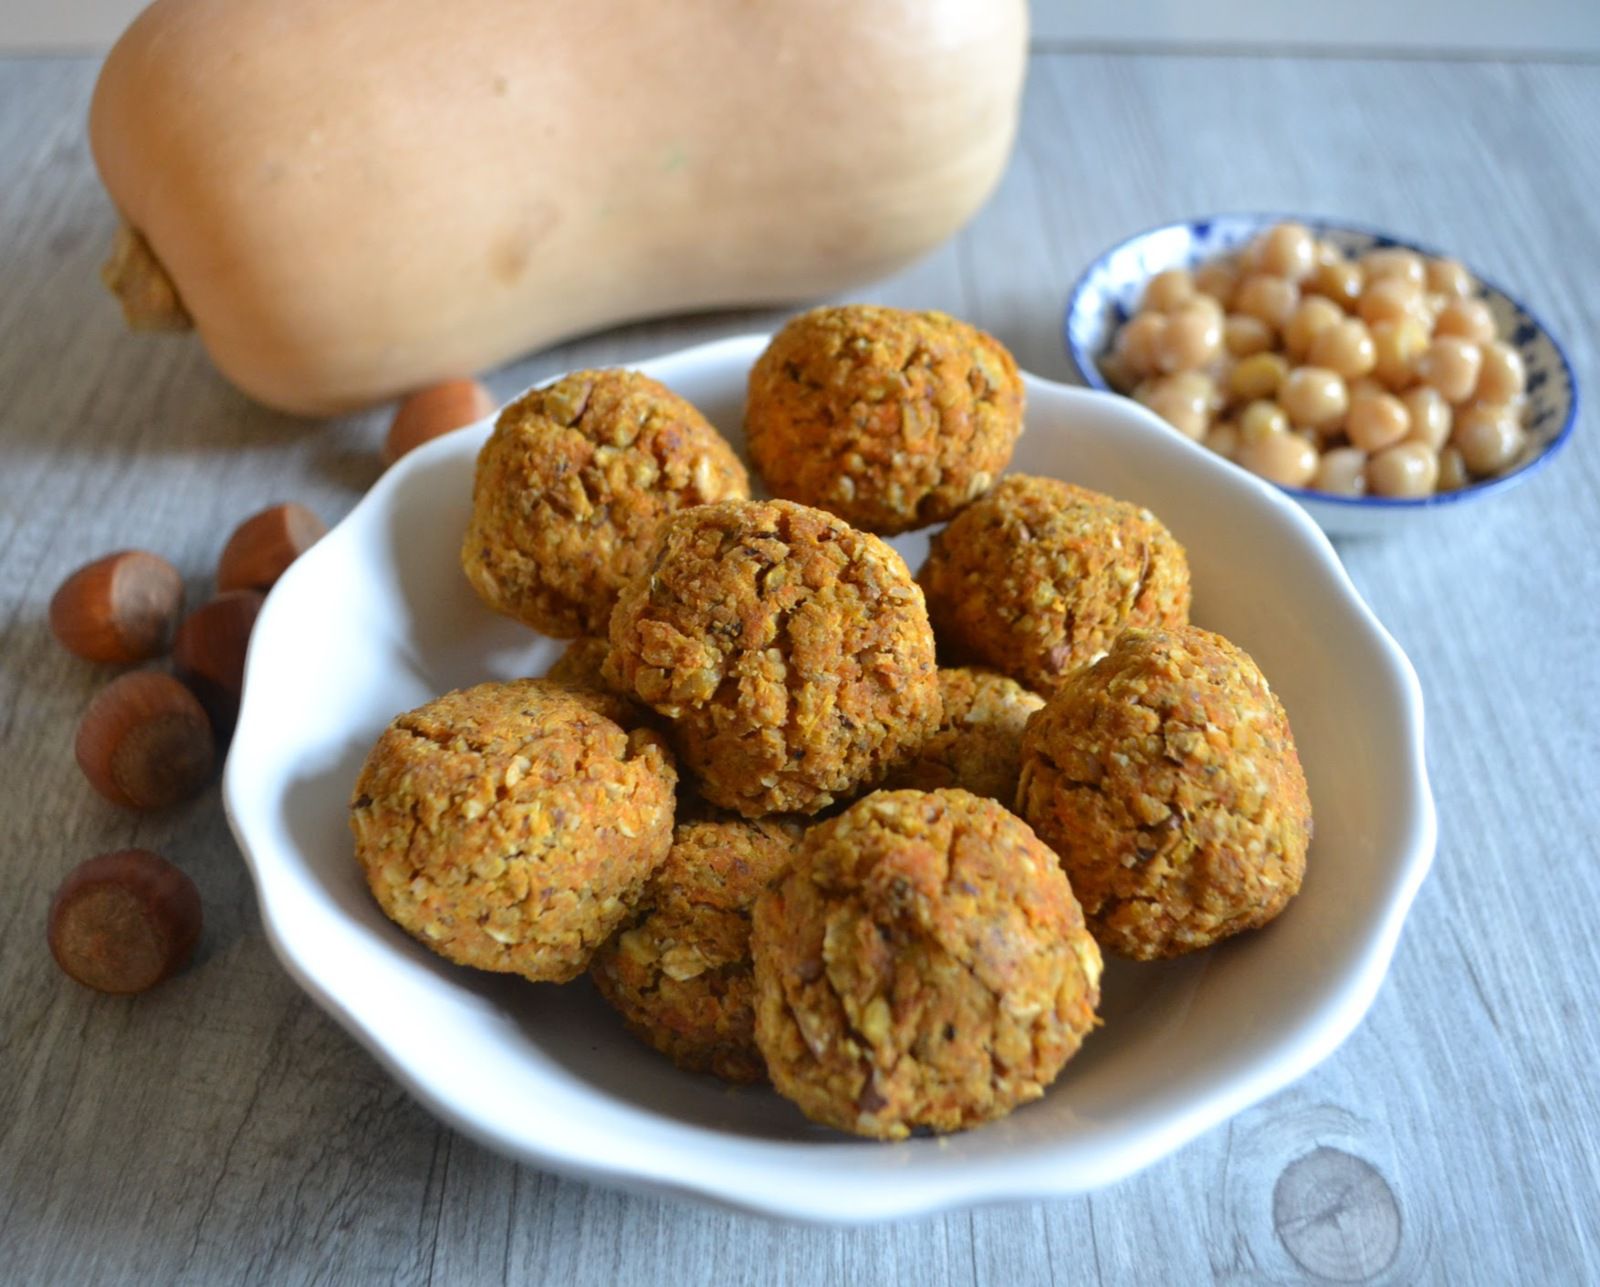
(378, 618)
(1109, 290)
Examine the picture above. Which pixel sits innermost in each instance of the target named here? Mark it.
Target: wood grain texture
(221, 1129)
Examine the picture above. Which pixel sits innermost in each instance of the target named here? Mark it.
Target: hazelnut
(124, 921)
(118, 609)
(262, 547)
(432, 412)
(145, 742)
(209, 649)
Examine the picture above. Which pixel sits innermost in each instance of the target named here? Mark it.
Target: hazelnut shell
(124, 921)
(145, 741)
(119, 609)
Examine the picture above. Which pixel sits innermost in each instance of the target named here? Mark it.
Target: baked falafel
(1166, 778)
(791, 652)
(923, 964)
(978, 744)
(679, 970)
(582, 663)
(570, 489)
(1038, 577)
(890, 419)
(512, 826)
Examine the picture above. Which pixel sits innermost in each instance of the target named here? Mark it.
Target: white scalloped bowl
(377, 618)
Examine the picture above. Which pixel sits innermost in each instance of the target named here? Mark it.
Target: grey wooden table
(223, 1129)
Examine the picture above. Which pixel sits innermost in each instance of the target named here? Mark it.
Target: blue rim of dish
(1089, 371)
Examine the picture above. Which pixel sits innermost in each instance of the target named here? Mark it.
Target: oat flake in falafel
(571, 487)
(679, 971)
(978, 744)
(890, 419)
(791, 652)
(923, 964)
(1039, 577)
(512, 826)
(1167, 779)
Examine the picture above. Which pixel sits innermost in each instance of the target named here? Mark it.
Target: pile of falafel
(784, 842)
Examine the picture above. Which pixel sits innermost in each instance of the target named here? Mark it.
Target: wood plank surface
(222, 1129)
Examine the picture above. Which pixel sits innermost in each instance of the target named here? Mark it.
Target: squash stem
(135, 276)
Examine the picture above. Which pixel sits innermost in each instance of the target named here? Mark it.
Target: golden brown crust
(679, 973)
(792, 653)
(924, 963)
(978, 744)
(890, 419)
(571, 487)
(511, 826)
(1166, 777)
(1038, 577)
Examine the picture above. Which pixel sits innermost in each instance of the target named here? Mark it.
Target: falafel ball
(924, 963)
(582, 663)
(679, 972)
(978, 744)
(1166, 778)
(571, 487)
(792, 653)
(512, 826)
(890, 419)
(1038, 577)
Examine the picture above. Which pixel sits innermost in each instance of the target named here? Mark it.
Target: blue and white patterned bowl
(1108, 294)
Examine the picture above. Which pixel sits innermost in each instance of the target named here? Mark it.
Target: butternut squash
(350, 201)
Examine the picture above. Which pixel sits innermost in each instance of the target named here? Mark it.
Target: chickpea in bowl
(1367, 377)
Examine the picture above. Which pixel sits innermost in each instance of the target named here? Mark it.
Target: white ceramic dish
(377, 618)
(1110, 289)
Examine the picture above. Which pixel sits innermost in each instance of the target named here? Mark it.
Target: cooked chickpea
(1185, 401)
(1136, 342)
(1342, 471)
(1388, 299)
(1284, 458)
(1261, 419)
(1339, 280)
(1192, 338)
(1314, 397)
(1289, 250)
(1223, 438)
(1503, 376)
(1406, 470)
(1208, 306)
(1268, 298)
(1218, 278)
(1451, 365)
(1381, 375)
(1468, 318)
(1488, 438)
(1312, 315)
(1430, 416)
(1377, 421)
(1393, 261)
(1453, 474)
(1345, 347)
(1169, 291)
(1398, 345)
(1449, 277)
(1243, 335)
(1257, 376)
